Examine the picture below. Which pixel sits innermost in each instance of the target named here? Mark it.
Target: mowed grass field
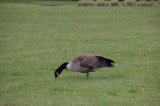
(36, 39)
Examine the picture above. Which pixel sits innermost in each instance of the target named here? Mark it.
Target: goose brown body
(85, 64)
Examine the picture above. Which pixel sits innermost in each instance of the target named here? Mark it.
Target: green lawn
(35, 39)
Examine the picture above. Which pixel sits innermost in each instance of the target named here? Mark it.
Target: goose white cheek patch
(57, 73)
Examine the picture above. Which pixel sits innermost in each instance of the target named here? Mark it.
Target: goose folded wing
(90, 63)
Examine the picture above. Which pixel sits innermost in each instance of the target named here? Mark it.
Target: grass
(35, 39)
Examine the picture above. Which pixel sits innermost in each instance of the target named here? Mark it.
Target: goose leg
(87, 74)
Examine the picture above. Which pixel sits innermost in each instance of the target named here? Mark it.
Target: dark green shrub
(157, 3)
(92, 3)
(83, 3)
(130, 2)
(100, 3)
(106, 3)
(16, 1)
(123, 3)
(103, 3)
(144, 3)
(114, 3)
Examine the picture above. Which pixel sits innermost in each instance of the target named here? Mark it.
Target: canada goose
(85, 63)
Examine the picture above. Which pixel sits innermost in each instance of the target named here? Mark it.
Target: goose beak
(56, 74)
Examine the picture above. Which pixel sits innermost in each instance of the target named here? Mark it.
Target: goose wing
(88, 61)
(93, 61)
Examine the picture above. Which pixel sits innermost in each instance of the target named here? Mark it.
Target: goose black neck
(63, 66)
(60, 69)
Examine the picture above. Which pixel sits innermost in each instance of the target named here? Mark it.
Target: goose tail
(105, 61)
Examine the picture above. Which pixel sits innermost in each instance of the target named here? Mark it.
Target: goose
(84, 64)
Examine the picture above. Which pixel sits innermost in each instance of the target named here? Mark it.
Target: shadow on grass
(92, 77)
